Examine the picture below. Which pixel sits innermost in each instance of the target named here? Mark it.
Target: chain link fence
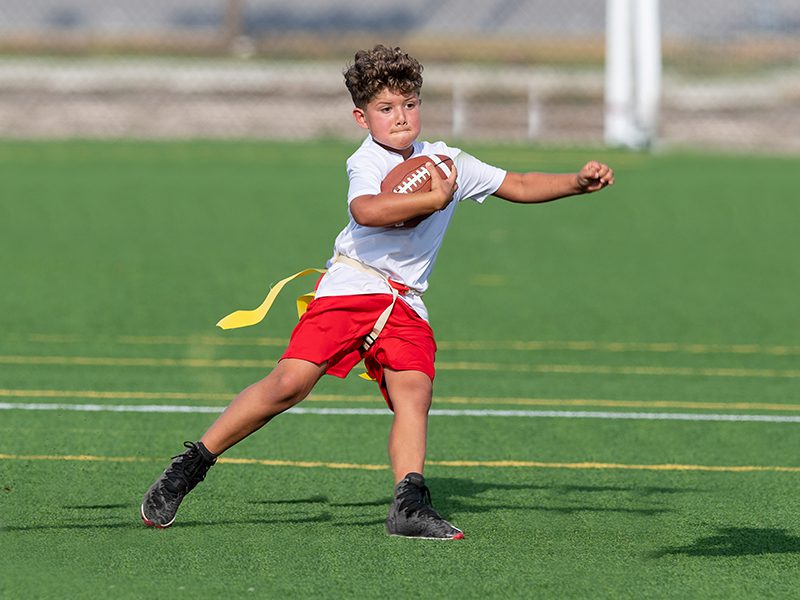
(499, 70)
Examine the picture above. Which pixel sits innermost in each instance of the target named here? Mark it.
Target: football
(412, 175)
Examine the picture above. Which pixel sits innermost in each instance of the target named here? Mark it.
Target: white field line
(156, 408)
(559, 403)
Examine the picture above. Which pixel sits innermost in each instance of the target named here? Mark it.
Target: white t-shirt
(405, 255)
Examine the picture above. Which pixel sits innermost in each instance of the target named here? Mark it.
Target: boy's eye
(410, 105)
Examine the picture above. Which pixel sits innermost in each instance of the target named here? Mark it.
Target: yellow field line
(102, 361)
(614, 403)
(106, 361)
(479, 345)
(621, 347)
(491, 464)
(113, 395)
(75, 457)
(200, 341)
(616, 370)
(610, 466)
(304, 464)
(225, 397)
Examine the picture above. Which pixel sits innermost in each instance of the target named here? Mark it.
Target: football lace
(413, 181)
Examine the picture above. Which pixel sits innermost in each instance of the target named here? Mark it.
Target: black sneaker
(162, 500)
(411, 513)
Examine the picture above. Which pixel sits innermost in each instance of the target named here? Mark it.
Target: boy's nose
(401, 117)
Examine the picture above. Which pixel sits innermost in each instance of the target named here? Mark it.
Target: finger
(453, 175)
(589, 170)
(602, 174)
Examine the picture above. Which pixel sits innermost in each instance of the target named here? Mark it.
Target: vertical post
(647, 70)
(620, 128)
(232, 23)
(534, 113)
(459, 110)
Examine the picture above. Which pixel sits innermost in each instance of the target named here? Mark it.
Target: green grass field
(632, 361)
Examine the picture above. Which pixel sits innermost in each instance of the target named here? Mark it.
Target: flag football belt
(245, 318)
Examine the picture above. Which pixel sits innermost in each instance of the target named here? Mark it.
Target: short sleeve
(476, 179)
(365, 177)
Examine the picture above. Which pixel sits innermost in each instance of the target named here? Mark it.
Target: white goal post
(633, 72)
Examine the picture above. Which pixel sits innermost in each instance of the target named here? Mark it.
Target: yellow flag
(245, 318)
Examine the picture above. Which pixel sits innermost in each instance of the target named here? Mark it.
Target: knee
(424, 401)
(282, 388)
(289, 386)
(414, 398)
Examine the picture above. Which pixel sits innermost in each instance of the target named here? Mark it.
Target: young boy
(380, 267)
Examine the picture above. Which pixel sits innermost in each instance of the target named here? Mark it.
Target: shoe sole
(150, 523)
(458, 536)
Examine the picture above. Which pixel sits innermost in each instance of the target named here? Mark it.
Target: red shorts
(333, 329)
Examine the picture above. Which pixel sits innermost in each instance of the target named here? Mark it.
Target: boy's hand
(443, 188)
(594, 176)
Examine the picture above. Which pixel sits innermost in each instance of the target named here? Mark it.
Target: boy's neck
(405, 153)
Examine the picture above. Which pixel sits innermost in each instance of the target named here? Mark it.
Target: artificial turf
(674, 292)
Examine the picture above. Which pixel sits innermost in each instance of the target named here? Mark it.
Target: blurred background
(496, 70)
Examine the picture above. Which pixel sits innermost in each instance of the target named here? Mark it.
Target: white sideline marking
(563, 414)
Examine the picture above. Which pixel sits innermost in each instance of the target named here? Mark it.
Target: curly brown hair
(382, 68)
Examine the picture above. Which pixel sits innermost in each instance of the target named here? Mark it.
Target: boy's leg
(285, 386)
(411, 513)
(411, 393)
(289, 383)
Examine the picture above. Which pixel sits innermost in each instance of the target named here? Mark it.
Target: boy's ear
(361, 118)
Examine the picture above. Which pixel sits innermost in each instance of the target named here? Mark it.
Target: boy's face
(393, 120)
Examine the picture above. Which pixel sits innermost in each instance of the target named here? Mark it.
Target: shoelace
(191, 446)
(193, 468)
(414, 498)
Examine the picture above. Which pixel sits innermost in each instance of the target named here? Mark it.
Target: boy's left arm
(529, 188)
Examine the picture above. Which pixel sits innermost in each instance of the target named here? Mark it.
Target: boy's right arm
(387, 208)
